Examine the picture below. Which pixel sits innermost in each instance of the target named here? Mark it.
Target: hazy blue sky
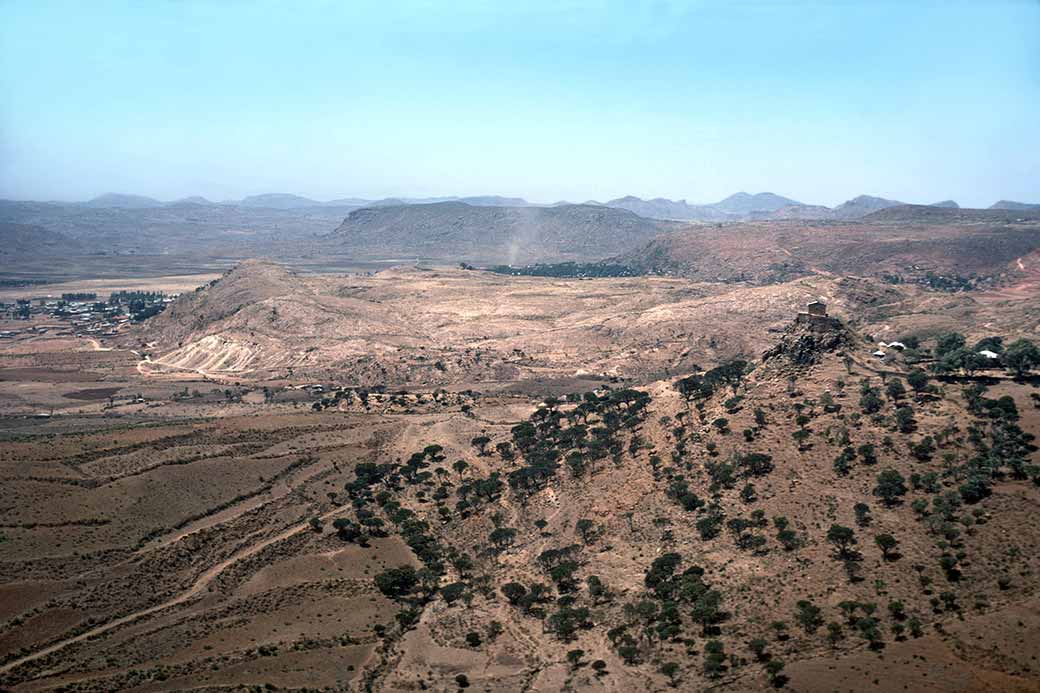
(560, 99)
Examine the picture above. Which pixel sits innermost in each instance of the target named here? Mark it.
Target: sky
(563, 99)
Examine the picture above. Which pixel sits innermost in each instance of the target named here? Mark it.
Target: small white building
(989, 354)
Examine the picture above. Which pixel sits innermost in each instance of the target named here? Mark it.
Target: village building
(818, 308)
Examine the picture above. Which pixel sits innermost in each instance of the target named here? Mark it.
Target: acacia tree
(460, 466)
(843, 539)
(918, 379)
(584, 528)
(887, 543)
(480, 442)
(809, 616)
(891, 487)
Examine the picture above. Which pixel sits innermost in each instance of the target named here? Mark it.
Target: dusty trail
(196, 589)
(97, 345)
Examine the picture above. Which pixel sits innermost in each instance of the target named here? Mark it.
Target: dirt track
(195, 590)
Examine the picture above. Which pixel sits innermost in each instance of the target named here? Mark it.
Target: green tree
(801, 435)
(758, 647)
(891, 487)
(1021, 356)
(584, 528)
(453, 592)
(714, 659)
(707, 609)
(887, 543)
(397, 582)
(869, 401)
(835, 633)
(502, 537)
(918, 379)
(514, 592)
(905, 419)
(775, 672)
(862, 511)
(460, 466)
(809, 616)
(948, 342)
(843, 539)
(480, 442)
(671, 670)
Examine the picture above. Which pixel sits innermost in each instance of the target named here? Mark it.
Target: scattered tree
(888, 544)
(891, 487)
(843, 539)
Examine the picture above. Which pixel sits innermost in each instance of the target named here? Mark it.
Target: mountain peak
(122, 201)
(278, 201)
(746, 203)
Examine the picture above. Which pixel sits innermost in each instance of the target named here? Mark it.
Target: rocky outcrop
(808, 338)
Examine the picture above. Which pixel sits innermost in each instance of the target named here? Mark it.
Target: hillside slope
(510, 235)
(777, 251)
(26, 240)
(938, 213)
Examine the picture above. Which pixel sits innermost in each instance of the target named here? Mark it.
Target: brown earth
(166, 542)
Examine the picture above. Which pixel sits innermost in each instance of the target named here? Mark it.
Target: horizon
(414, 200)
(584, 101)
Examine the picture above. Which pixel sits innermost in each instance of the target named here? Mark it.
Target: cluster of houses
(80, 314)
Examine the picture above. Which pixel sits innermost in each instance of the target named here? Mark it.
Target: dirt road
(196, 589)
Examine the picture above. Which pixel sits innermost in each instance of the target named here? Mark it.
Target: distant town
(84, 314)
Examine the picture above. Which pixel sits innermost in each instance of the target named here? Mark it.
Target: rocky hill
(662, 208)
(507, 235)
(861, 206)
(1017, 206)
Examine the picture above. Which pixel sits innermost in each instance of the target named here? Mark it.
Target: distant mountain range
(288, 201)
(744, 206)
(740, 206)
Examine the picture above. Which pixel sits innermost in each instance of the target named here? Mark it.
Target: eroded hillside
(449, 326)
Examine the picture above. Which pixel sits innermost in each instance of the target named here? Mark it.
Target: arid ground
(560, 484)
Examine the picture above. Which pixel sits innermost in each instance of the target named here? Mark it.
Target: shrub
(808, 616)
(452, 592)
